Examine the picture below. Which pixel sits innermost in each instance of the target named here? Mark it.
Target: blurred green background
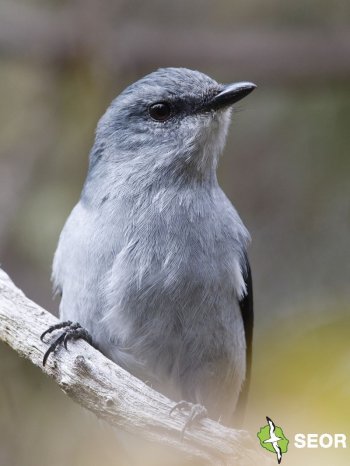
(286, 167)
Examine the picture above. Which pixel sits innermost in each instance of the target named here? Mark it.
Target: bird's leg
(196, 413)
(71, 331)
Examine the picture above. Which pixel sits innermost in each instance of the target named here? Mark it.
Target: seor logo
(273, 439)
(320, 441)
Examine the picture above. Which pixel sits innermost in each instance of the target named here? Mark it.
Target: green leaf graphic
(264, 434)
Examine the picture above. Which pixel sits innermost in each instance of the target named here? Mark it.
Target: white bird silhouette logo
(274, 440)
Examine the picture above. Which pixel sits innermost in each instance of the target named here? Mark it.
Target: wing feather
(247, 310)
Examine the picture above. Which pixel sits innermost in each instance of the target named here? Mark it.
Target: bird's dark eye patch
(160, 111)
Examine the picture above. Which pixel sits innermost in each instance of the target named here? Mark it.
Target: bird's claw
(196, 413)
(71, 331)
(52, 328)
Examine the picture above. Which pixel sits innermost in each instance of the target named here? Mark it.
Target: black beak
(230, 94)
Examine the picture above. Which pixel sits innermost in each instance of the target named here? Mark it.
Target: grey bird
(152, 261)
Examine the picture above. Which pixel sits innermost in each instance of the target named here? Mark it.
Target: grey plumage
(152, 260)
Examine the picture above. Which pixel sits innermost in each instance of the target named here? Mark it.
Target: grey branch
(50, 36)
(104, 388)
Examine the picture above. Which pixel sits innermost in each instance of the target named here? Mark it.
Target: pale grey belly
(190, 347)
(183, 336)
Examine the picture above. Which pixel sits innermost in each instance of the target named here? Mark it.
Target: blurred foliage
(286, 168)
(302, 379)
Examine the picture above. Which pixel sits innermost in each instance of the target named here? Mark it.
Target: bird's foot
(196, 412)
(70, 331)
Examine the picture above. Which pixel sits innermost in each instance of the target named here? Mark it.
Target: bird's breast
(172, 291)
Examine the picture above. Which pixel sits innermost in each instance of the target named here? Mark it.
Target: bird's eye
(160, 111)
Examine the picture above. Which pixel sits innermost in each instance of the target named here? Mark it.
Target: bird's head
(172, 120)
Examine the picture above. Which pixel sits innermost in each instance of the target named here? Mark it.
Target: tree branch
(99, 385)
(58, 35)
